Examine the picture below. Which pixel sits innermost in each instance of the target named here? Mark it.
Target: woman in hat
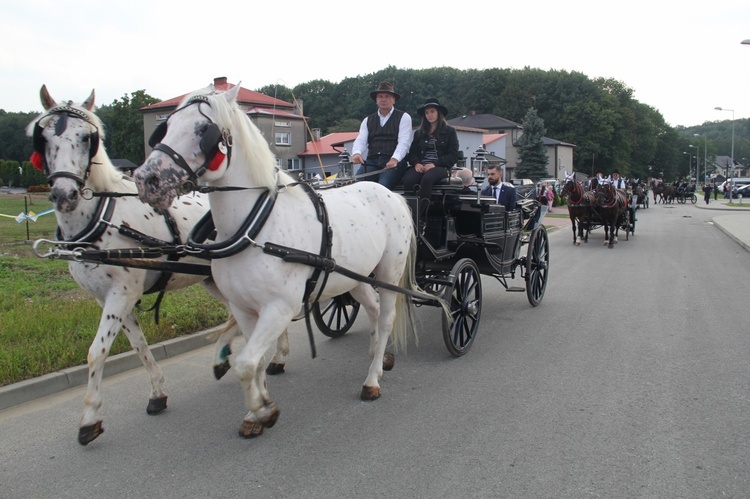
(434, 150)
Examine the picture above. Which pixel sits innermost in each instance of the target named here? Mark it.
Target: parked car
(743, 190)
(524, 187)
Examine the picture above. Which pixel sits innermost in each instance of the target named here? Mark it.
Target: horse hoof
(251, 429)
(155, 406)
(272, 417)
(370, 393)
(88, 433)
(221, 369)
(274, 368)
(388, 361)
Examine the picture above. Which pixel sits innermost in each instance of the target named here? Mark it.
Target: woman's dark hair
(424, 127)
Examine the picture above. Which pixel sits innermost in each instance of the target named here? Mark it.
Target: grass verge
(47, 322)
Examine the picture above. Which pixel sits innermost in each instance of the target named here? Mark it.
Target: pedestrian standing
(707, 192)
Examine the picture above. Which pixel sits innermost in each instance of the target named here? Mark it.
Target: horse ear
(47, 101)
(231, 95)
(88, 104)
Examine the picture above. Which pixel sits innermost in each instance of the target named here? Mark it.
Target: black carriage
(685, 193)
(465, 236)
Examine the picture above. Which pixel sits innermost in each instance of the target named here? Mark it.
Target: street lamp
(697, 162)
(732, 183)
(705, 150)
(690, 162)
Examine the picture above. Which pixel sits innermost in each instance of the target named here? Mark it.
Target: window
(283, 139)
(293, 164)
(284, 124)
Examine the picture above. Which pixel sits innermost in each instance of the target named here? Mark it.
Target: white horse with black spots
(68, 147)
(265, 259)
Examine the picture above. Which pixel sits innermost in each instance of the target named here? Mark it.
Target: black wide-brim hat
(615, 171)
(386, 88)
(432, 103)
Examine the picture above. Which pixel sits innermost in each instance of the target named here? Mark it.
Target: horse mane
(255, 150)
(104, 176)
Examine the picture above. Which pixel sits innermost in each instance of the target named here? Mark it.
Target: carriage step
(515, 289)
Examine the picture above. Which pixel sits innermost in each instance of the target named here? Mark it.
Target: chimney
(299, 107)
(472, 113)
(220, 83)
(316, 134)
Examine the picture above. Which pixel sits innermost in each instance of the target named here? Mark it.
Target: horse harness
(38, 158)
(102, 219)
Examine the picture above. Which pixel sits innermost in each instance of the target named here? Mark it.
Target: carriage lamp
(345, 165)
(479, 164)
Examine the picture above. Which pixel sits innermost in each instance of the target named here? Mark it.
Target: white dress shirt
(405, 136)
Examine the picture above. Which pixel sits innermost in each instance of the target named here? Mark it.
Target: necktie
(494, 193)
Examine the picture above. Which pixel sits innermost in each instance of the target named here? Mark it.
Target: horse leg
(576, 240)
(368, 298)
(224, 343)
(611, 234)
(264, 329)
(222, 352)
(276, 366)
(371, 386)
(112, 320)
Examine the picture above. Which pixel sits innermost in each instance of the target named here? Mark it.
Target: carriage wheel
(694, 199)
(338, 315)
(464, 298)
(537, 266)
(681, 199)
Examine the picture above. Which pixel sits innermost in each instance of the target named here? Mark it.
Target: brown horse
(611, 203)
(579, 208)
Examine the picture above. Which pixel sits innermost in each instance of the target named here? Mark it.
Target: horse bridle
(39, 159)
(216, 144)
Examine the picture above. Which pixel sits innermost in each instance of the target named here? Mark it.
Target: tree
(124, 126)
(14, 144)
(532, 153)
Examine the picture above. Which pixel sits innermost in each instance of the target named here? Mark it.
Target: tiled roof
(486, 121)
(489, 138)
(325, 144)
(278, 113)
(244, 97)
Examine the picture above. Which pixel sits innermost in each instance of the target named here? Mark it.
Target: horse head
(67, 140)
(198, 142)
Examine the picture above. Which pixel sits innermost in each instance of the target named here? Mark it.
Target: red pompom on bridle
(37, 161)
(217, 160)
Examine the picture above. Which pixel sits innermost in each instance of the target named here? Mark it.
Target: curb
(745, 245)
(49, 384)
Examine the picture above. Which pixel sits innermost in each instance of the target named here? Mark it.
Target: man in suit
(503, 192)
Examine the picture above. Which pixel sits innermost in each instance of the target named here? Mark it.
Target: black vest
(383, 139)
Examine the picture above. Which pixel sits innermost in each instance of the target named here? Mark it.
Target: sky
(683, 58)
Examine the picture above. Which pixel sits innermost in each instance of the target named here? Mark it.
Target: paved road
(629, 380)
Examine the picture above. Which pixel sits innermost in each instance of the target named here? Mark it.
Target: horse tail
(406, 316)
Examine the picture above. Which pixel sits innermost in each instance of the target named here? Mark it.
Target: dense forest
(608, 126)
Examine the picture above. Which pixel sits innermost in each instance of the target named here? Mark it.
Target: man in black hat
(594, 181)
(617, 181)
(386, 136)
